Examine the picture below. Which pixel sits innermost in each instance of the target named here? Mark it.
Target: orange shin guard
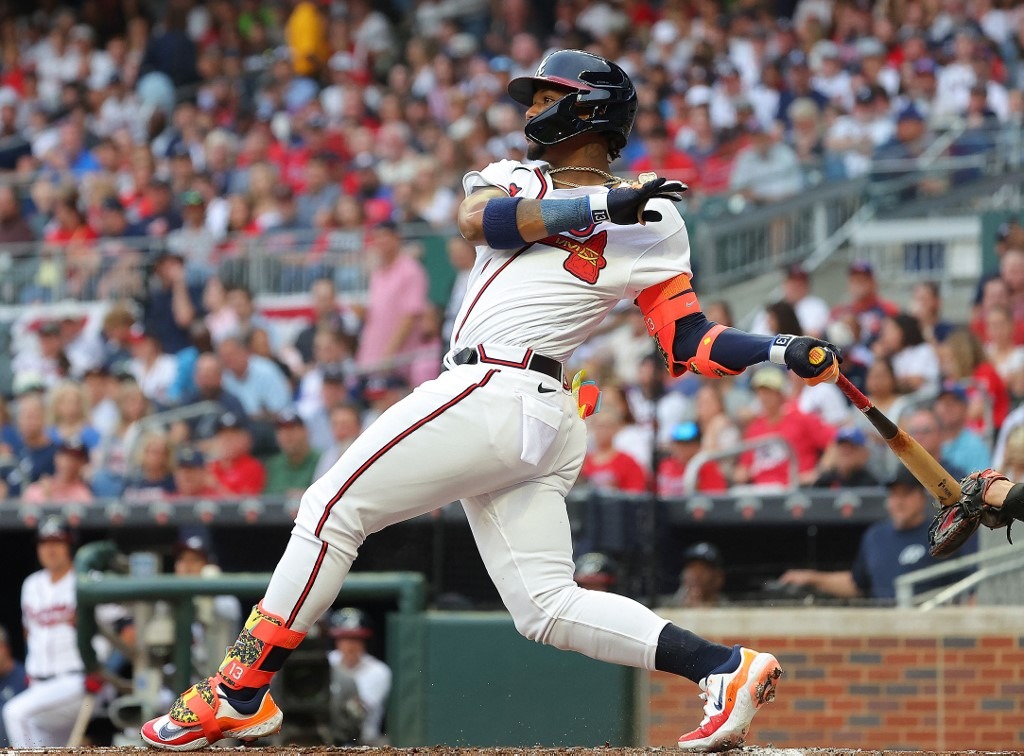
(249, 662)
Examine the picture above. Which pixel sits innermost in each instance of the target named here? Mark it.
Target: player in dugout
(560, 242)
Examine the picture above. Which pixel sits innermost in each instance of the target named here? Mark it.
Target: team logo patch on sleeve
(586, 256)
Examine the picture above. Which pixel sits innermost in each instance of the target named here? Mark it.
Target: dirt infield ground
(444, 751)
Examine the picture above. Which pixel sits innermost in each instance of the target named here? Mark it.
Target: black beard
(535, 151)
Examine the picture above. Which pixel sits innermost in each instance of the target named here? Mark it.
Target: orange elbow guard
(665, 303)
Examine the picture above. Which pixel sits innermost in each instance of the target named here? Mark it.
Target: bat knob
(816, 356)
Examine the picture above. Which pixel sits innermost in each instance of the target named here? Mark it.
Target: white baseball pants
(43, 714)
(507, 441)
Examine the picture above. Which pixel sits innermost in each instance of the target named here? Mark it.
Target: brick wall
(867, 678)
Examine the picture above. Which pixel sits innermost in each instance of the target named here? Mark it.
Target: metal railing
(702, 458)
(729, 247)
(733, 248)
(276, 262)
(990, 563)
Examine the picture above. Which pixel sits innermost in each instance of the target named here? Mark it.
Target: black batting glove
(626, 205)
(814, 360)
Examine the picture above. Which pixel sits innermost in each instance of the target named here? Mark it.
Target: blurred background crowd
(227, 241)
(214, 211)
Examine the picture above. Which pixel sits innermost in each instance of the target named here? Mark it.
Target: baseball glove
(954, 524)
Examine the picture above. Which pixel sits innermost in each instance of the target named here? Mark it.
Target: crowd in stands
(149, 160)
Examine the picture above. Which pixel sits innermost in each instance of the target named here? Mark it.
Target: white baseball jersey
(373, 681)
(48, 616)
(551, 294)
(504, 438)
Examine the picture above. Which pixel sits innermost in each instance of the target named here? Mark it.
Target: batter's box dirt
(445, 751)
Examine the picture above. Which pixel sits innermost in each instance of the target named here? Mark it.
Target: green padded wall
(469, 679)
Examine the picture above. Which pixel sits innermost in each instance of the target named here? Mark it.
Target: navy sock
(732, 349)
(245, 700)
(687, 655)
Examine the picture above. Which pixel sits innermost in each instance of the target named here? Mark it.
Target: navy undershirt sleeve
(733, 349)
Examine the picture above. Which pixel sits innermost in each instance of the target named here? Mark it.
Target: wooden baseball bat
(82, 720)
(933, 476)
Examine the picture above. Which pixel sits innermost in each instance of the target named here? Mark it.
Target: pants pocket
(541, 422)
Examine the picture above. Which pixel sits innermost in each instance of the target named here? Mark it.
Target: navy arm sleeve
(733, 349)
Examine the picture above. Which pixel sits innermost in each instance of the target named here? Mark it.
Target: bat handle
(852, 393)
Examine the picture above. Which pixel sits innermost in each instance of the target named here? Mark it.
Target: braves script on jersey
(48, 616)
(551, 294)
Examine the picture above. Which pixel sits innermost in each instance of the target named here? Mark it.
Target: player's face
(543, 99)
(352, 650)
(54, 555)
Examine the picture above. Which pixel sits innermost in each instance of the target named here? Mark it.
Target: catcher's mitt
(954, 524)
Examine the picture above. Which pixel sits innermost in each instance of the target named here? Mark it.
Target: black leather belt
(531, 361)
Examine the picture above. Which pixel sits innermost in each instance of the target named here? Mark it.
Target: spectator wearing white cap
(853, 139)
(957, 77)
(767, 170)
(873, 67)
(830, 77)
(726, 94)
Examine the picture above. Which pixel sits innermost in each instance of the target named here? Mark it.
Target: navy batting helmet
(595, 568)
(601, 92)
(54, 528)
(349, 623)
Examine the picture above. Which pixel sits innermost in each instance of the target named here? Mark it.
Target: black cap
(100, 368)
(703, 552)
(595, 567)
(112, 203)
(190, 456)
(903, 477)
(49, 328)
(193, 543)
(228, 421)
(74, 447)
(381, 384)
(192, 198)
(288, 417)
(349, 623)
(334, 373)
(797, 59)
(54, 529)
(865, 96)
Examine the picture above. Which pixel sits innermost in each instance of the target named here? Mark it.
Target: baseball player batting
(559, 242)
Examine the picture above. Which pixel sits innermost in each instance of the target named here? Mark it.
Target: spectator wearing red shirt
(662, 158)
(963, 360)
(235, 471)
(807, 436)
(864, 302)
(605, 467)
(685, 443)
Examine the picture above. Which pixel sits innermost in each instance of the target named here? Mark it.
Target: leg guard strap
(207, 718)
(198, 706)
(245, 665)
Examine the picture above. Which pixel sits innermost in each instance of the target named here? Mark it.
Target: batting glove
(626, 205)
(814, 360)
(94, 682)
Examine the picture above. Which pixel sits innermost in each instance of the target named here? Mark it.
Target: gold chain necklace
(608, 178)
